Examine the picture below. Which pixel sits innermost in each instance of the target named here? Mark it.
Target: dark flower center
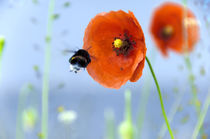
(166, 32)
(123, 44)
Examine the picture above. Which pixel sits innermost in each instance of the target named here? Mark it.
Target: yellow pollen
(72, 58)
(168, 30)
(118, 43)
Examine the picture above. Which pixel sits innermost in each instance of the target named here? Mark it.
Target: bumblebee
(79, 60)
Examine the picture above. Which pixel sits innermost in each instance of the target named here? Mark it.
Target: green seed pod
(126, 128)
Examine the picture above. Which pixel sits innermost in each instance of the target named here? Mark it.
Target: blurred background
(79, 107)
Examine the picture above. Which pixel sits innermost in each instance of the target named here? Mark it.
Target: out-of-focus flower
(60, 109)
(66, 4)
(29, 118)
(40, 136)
(2, 42)
(174, 27)
(116, 43)
(126, 128)
(67, 117)
(204, 136)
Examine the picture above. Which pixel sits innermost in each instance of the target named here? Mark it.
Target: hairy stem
(161, 99)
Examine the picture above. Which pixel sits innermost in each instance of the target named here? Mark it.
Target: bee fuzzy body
(79, 60)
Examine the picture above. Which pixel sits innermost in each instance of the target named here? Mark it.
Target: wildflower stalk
(161, 99)
(2, 43)
(201, 117)
(45, 85)
(126, 128)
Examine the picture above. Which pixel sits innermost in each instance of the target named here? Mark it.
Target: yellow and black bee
(79, 60)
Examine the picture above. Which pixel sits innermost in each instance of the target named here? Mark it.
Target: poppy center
(123, 44)
(167, 32)
(118, 43)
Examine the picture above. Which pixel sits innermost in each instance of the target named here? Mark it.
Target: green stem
(110, 124)
(21, 103)
(126, 128)
(201, 117)
(161, 100)
(128, 106)
(45, 87)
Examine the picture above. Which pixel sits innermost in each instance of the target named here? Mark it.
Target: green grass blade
(171, 115)
(201, 117)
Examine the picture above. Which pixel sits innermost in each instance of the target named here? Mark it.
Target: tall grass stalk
(172, 113)
(201, 117)
(45, 86)
(188, 63)
(161, 99)
(192, 84)
(2, 43)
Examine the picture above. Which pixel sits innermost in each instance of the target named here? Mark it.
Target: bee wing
(66, 51)
(69, 51)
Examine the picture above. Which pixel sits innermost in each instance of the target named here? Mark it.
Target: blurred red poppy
(174, 27)
(116, 44)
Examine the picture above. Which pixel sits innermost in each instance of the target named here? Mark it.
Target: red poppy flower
(116, 43)
(171, 30)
